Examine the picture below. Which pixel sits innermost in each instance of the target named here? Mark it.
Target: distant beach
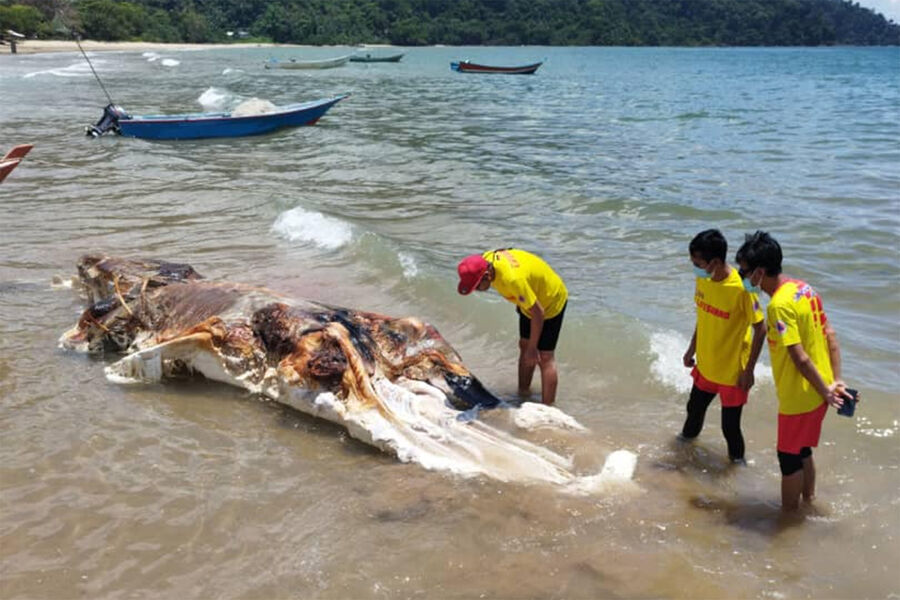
(42, 46)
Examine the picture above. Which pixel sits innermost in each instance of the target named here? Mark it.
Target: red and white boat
(467, 66)
(12, 159)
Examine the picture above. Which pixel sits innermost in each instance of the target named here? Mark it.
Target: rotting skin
(138, 304)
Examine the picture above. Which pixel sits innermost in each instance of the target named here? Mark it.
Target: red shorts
(796, 432)
(729, 395)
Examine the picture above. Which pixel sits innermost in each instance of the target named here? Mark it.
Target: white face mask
(748, 285)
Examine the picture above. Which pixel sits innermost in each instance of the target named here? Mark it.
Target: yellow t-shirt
(725, 311)
(522, 278)
(796, 316)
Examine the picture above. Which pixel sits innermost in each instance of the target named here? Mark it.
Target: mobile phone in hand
(849, 406)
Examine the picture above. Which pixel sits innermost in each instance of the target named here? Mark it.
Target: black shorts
(550, 332)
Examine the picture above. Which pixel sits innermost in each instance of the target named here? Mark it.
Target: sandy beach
(41, 46)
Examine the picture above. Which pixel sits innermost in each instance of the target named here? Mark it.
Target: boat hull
(12, 159)
(470, 67)
(376, 59)
(214, 125)
(309, 64)
(7, 166)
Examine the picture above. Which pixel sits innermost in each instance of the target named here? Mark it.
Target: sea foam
(78, 69)
(299, 225)
(410, 267)
(214, 98)
(667, 367)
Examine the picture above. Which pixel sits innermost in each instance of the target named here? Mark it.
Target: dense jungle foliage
(459, 22)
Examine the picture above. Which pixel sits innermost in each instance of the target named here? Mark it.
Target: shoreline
(50, 46)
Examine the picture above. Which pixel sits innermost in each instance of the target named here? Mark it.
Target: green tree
(26, 20)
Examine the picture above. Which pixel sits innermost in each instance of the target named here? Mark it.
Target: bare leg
(526, 373)
(809, 479)
(791, 487)
(549, 378)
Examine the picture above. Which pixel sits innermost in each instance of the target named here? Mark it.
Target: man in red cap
(540, 297)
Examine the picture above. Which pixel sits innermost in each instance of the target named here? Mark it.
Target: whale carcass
(394, 383)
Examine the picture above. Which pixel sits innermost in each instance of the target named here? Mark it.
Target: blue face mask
(753, 289)
(701, 273)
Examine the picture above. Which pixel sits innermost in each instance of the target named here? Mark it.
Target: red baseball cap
(471, 270)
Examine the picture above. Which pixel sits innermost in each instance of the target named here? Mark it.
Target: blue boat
(209, 125)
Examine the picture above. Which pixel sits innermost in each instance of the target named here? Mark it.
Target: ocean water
(606, 162)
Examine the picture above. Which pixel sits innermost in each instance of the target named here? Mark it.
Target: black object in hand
(849, 404)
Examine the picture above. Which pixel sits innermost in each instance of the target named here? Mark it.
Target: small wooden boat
(466, 66)
(369, 58)
(12, 159)
(209, 125)
(328, 63)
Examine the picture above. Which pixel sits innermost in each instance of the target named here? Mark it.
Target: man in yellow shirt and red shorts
(726, 353)
(540, 297)
(806, 363)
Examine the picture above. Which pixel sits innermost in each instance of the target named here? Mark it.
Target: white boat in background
(328, 63)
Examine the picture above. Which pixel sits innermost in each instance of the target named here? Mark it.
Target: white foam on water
(864, 426)
(78, 69)
(213, 98)
(229, 71)
(150, 56)
(408, 262)
(170, 62)
(667, 367)
(299, 225)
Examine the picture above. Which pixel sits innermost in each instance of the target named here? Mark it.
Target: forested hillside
(461, 22)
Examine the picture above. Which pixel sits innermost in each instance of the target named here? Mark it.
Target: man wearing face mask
(725, 351)
(806, 363)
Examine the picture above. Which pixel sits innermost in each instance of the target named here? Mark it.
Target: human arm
(746, 379)
(809, 371)
(834, 351)
(531, 354)
(688, 358)
(834, 354)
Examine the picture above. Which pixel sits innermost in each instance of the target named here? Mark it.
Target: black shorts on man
(550, 332)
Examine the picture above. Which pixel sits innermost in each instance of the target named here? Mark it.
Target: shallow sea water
(606, 162)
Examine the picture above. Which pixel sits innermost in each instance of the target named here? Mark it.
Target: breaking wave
(667, 367)
(214, 99)
(78, 69)
(299, 225)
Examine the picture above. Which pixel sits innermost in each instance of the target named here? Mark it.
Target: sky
(889, 8)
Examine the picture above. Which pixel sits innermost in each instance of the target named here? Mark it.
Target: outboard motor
(108, 122)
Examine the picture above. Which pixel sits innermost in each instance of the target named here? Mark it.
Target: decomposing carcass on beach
(394, 383)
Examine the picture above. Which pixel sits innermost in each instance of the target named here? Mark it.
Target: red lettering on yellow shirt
(709, 308)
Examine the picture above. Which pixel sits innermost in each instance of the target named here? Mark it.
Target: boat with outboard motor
(209, 125)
